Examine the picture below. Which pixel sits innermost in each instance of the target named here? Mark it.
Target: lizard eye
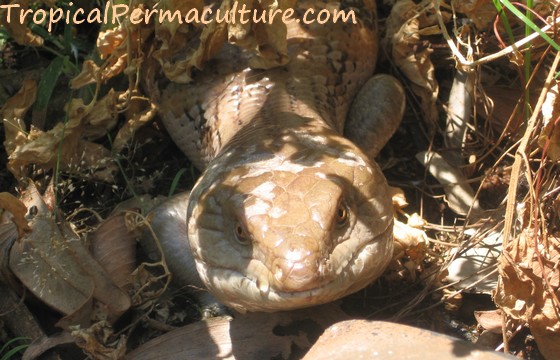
(241, 234)
(342, 214)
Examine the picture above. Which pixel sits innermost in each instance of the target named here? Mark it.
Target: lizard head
(287, 226)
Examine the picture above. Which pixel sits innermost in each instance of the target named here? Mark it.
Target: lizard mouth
(244, 292)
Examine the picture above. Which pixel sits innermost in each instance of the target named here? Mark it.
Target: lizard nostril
(278, 272)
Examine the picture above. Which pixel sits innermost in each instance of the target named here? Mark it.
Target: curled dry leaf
(113, 245)
(21, 33)
(100, 342)
(111, 45)
(549, 138)
(13, 112)
(10, 203)
(140, 112)
(111, 41)
(52, 263)
(88, 75)
(101, 118)
(178, 60)
(410, 238)
(529, 292)
(411, 241)
(410, 249)
(267, 42)
(64, 142)
(119, 45)
(398, 197)
(410, 55)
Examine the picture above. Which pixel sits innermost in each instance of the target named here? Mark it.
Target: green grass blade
(47, 83)
(504, 19)
(176, 181)
(14, 351)
(6, 345)
(529, 23)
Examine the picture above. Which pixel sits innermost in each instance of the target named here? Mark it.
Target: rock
(363, 339)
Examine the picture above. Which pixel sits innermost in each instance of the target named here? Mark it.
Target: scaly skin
(288, 213)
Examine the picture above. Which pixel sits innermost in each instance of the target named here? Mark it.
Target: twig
(467, 65)
(520, 154)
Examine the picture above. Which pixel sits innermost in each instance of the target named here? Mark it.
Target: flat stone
(363, 339)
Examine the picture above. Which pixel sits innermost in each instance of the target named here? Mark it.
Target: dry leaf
(410, 247)
(18, 209)
(113, 245)
(549, 138)
(45, 343)
(111, 41)
(102, 117)
(120, 46)
(523, 292)
(459, 111)
(100, 342)
(21, 33)
(13, 112)
(398, 197)
(54, 265)
(63, 143)
(111, 45)
(410, 55)
(490, 320)
(88, 75)
(181, 51)
(142, 112)
(268, 42)
(409, 241)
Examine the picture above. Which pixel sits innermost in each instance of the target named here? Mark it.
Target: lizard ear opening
(241, 233)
